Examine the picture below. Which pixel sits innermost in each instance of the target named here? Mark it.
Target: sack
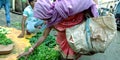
(93, 35)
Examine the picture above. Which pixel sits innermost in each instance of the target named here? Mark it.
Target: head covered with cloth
(61, 9)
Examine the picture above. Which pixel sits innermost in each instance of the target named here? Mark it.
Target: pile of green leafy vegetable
(45, 51)
(50, 40)
(4, 40)
(4, 30)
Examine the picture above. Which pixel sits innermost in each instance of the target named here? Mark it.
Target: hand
(21, 35)
(31, 49)
(26, 53)
(39, 27)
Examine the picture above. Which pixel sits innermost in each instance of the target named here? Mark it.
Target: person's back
(28, 11)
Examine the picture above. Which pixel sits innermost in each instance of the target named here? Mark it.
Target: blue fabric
(28, 12)
(40, 23)
(30, 26)
(88, 33)
(32, 21)
(6, 5)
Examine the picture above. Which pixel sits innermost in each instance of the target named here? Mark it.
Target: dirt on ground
(19, 45)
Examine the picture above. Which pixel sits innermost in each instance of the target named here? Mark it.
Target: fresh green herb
(45, 51)
(4, 40)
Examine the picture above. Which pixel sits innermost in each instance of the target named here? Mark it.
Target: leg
(28, 33)
(0, 4)
(30, 27)
(7, 11)
(40, 25)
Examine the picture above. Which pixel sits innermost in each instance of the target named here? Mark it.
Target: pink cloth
(61, 9)
(70, 21)
(62, 41)
(61, 37)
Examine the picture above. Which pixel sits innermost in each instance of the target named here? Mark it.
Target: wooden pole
(13, 5)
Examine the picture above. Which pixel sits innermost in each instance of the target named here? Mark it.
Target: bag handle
(88, 33)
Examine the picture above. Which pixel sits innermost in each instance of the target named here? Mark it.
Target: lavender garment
(61, 9)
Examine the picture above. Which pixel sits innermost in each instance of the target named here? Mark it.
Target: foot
(21, 35)
(8, 24)
(28, 33)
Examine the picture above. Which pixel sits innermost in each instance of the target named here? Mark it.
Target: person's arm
(23, 24)
(41, 39)
(23, 27)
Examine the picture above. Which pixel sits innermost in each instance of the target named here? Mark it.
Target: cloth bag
(93, 35)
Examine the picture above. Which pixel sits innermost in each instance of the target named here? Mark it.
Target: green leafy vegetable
(45, 51)
(4, 40)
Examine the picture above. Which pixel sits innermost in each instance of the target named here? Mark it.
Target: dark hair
(30, 1)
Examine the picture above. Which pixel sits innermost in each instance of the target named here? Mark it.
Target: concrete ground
(112, 52)
(15, 19)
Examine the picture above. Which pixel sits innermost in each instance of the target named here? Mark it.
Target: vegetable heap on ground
(45, 51)
(3, 39)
